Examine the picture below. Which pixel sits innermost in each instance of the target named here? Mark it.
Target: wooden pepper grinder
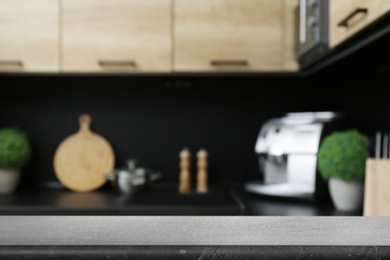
(185, 176)
(202, 171)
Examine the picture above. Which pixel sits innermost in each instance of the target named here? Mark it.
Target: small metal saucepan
(131, 179)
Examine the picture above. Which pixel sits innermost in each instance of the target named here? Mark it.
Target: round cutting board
(82, 159)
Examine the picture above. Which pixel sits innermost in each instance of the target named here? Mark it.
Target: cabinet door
(29, 35)
(116, 35)
(228, 35)
(347, 17)
(379, 8)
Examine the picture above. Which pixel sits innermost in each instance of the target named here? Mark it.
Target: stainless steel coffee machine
(287, 152)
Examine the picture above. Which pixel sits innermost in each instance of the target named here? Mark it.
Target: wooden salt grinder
(202, 171)
(185, 176)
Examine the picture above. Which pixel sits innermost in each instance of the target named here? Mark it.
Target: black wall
(152, 117)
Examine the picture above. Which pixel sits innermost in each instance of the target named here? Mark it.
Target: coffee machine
(287, 148)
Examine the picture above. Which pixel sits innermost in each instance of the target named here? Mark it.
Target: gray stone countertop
(194, 230)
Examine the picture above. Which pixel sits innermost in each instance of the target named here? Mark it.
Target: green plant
(15, 148)
(343, 154)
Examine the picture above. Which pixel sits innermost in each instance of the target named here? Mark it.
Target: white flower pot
(346, 196)
(9, 179)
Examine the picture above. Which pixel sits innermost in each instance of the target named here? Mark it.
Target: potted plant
(341, 161)
(15, 154)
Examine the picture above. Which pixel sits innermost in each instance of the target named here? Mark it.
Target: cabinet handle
(344, 23)
(243, 63)
(14, 63)
(105, 63)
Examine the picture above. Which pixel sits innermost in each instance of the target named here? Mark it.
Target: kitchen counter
(262, 205)
(160, 199)
(190, 237)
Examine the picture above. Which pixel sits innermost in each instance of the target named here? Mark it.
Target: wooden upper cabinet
(347, 17)
(228, 35)
(29, 35)
(379, 8)
(116, 35)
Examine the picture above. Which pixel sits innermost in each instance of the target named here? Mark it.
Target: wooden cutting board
(82, 159)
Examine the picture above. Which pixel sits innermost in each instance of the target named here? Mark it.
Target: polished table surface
(193, 237)
(194, 230)
(160, 223)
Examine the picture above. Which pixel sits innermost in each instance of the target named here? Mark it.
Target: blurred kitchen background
(152, 116)
(143, 118)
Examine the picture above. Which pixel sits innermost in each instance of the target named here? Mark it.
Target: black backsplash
(152, 117)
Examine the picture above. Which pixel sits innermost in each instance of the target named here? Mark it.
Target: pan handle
(110, 176)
